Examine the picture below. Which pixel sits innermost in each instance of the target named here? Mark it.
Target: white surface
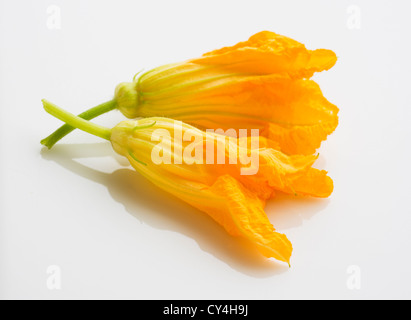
(116, 236)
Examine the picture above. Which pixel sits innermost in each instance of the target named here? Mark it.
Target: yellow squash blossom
(175, 157)
(260, 83)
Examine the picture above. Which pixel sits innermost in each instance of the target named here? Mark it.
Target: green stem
(64, 130)
(76, 122)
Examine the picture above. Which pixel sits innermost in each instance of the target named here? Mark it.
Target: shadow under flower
(289, 211)
(140, 198)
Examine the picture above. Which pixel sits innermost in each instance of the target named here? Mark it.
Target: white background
(114, 235)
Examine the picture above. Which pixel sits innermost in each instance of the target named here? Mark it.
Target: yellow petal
(246, 217)
(267, 53)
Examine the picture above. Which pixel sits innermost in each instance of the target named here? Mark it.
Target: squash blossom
(262, 83)
(176, 157)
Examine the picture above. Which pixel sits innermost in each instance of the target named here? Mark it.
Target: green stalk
(76, 121)
(64, 130)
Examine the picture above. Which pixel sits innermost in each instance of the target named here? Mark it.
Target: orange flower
(234, 200)
(260, 83)
(229, 186)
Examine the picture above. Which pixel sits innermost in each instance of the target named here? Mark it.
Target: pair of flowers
(262, 83)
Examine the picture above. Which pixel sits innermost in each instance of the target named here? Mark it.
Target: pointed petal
(246, 217)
